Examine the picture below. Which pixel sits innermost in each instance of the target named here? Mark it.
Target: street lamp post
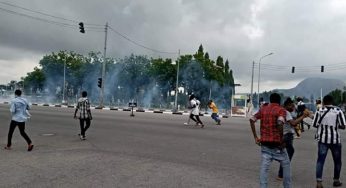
(103, 73)
(176, 87)
(64, 84)
(259, 75)
(63, 90)
(24, 87)
(251, 95)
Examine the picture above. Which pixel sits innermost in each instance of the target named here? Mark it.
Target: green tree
(134, 75)
(34, 81)
(163, 73)
(79, 70)
(12, 85)
(337, 95)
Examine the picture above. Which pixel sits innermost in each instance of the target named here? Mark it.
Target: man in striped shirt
(84, 114)
(328, 120)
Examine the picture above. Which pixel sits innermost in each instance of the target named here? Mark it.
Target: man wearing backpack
(328, 120)
(84, 114)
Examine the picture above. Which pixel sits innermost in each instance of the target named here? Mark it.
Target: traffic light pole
(103, 68)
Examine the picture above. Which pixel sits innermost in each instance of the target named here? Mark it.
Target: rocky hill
(312, 87)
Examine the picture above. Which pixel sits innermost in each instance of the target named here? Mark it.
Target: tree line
(149, 81)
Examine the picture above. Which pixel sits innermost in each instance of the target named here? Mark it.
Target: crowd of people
(20, 107)
(194, 106)
(279, 123)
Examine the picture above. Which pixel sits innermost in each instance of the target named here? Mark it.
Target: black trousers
(197, 120)
(21, 126)
(288, 139)
(83, 128)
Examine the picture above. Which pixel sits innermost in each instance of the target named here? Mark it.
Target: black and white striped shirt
(328, 125)
(84, 108)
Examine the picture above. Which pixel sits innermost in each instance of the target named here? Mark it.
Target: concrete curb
(124, 109)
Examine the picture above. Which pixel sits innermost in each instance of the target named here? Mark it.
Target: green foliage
(339, 97)
(53, 66)
(163, 72)
(34, 80)
(134, 75)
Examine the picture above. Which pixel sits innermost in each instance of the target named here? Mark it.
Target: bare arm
(89, 112)
(280, 126)
(295, 122)
(253, 129)
(75, 113)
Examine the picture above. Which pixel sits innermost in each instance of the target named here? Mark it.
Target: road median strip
(150, 110)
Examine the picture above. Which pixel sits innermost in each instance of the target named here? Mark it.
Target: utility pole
(103, 69)
(321, 95)
(253, 68)
(176, 86)
(63, 89)
(24, 89)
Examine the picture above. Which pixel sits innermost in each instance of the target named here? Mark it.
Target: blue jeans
(280, 155)
(322, 154)
(215, 117)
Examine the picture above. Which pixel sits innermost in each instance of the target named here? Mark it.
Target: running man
(194, 103)
(214, 115)
(19, 109)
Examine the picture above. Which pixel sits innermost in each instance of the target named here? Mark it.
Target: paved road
(148, 150)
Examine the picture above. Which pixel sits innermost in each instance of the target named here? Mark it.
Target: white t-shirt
(287, 127)
(195, 106)
(249, 110)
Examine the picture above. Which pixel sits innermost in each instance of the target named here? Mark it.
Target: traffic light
(322, 68)
(81, 27)
(293, 69)
(99, 82)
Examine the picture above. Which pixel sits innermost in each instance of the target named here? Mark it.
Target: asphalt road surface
(148, 150)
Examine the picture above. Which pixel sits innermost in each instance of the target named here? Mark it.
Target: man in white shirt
(288, 131)
(194, 103)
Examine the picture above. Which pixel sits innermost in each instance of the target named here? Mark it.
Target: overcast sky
(305, 34)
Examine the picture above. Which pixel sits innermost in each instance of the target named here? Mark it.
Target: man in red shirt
(272, 118)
